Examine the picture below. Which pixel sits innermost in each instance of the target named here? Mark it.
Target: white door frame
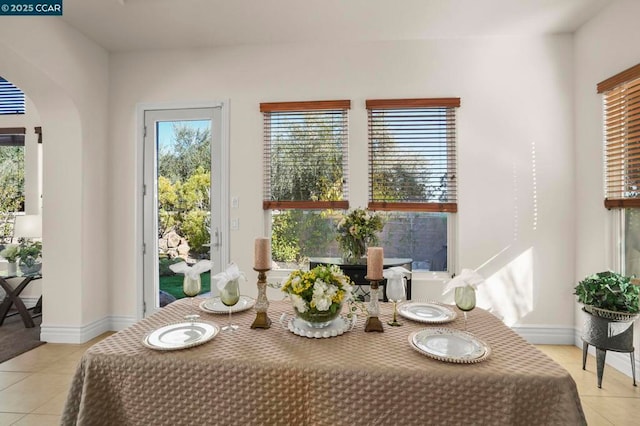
(224, 240)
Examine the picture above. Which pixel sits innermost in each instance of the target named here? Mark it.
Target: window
(11, 98)
(11, 178)
(621, 98)
(305, 176)
(412, 176)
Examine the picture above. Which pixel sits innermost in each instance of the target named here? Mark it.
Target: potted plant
(609, 295)
(11, 253)
(611, 301)
(30, 256)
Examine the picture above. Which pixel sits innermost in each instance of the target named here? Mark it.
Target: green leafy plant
(609, 290)
(30, 252)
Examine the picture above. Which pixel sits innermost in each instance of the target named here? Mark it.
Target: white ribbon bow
(231, 273)
(468, 277)
(191, 271)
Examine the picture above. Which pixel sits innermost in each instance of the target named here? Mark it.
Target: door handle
(216, 235)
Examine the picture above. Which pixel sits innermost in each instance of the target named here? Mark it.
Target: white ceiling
(126, 25)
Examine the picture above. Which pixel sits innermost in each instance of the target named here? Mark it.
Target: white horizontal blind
(11, 98)
(305, 155)
(412, 154)
(622, 138)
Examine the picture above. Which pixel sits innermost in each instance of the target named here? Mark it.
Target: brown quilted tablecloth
(273, 377)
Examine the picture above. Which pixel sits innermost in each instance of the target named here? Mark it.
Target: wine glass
(229, 295)
(396, 291)
(191, 287)
(465, 298)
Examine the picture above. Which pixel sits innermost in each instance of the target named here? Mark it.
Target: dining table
(277, 376)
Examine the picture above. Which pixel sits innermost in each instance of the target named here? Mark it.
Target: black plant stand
(607, 334)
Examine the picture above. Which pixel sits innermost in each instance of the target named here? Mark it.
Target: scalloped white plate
(180, 335)
(337, 327)
(215, 306)
(450, 345)
(427, 312)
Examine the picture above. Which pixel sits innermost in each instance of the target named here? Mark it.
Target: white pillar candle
(262, 254)
(375, 256)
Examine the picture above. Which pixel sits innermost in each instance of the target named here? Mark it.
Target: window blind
(412, 154)
(11, 98)
(305, 155)
(622, 138)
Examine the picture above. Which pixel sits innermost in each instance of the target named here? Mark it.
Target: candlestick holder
(262, 303)
(373, 322)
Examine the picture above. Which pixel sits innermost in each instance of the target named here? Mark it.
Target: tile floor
(33, 386)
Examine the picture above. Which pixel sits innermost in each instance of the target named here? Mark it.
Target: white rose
(299, 303)
(323, 303)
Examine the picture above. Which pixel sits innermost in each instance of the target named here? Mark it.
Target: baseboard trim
(82, 334)
(546, 335)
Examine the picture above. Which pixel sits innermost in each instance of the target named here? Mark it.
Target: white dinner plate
(450, 345)
(215, 306)
(427, 312)
(180, 335)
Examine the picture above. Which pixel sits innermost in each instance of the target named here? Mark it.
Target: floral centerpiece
(356, 230)
(318, 295)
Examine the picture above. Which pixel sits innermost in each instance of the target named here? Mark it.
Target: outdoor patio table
(12, 298)
(274, 377)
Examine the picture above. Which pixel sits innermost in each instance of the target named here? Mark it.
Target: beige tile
(38, 420)
(38, 358)
(7, 419)
(33, 392)
(9, 378)
(619, 411)
(64, 365)
(54, 406)
(594, 418)
(562, 353)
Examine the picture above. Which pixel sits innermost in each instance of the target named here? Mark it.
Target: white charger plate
(426, 312)
(215, 306)
(180, 335)
(337, 327)
(450, 345)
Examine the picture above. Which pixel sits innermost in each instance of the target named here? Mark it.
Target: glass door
(182, 199)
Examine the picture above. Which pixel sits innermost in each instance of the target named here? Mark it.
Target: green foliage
(285, 245)
(192, 149)
(194, 229)
(184, 187)
(609, 290)
(11, 184)
(163, 265)
(299, 234)
(306, 164)
(194, 193)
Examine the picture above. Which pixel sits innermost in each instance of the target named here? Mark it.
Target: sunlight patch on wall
(508, 293)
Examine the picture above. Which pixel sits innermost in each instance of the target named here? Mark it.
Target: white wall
(65, 75)
(597, 58)
(515, 147)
